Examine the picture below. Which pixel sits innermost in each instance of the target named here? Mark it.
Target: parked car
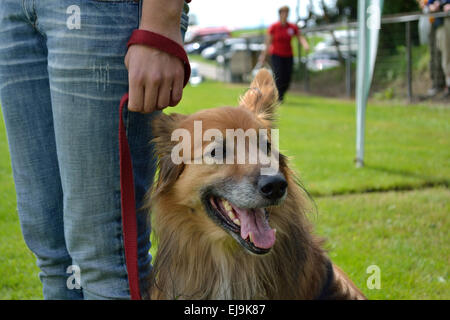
(347, 41)
(321, 61)
(195, 78)
(326, 56)
(205, 42)
(221, 47)
(197, 38)
(237, 47)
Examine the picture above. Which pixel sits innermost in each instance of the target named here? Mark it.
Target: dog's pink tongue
(254, 221)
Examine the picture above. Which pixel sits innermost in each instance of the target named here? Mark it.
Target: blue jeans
(62, 75)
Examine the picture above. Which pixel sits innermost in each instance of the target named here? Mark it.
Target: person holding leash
(278, 46)
(64, 67)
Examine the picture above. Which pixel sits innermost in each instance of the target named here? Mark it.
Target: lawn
(394, 213)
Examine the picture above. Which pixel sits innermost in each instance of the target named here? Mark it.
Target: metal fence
(407, 65)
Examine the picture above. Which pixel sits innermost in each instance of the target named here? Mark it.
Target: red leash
(129, 222)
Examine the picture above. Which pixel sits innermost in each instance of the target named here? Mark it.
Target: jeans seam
(35, 24)
(32, 19)
(28, 20)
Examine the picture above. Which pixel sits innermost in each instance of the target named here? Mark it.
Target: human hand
(434, 7)
(155, 79)
(261, 59)
(447, 7)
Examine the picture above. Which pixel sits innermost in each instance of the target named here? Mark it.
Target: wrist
(173, 34)
(162, 17)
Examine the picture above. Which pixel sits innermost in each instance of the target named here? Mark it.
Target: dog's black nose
(272, 187)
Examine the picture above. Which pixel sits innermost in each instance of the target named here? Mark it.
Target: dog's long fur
(197, 259)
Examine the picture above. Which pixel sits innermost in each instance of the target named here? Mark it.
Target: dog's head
(209, 181)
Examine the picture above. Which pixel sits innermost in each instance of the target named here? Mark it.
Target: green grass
(405, 233)
(19, 274)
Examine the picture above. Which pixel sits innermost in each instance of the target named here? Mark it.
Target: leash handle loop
(164, 44)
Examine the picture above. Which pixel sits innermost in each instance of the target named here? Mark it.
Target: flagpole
(369, 24)
(360, 83)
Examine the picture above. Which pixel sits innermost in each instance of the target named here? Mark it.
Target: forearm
(304, 42)
(163, 17)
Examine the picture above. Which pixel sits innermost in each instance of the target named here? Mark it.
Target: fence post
(409, 61)
(305, 66)
(348, 64)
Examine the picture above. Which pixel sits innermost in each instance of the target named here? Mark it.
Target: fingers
(164, 93)
(151, 96)
(156, 79)
(136, 96)
(157, 94)
(171, 89)
(177, 90)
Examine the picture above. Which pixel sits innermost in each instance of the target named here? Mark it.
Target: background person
(278, 46)
(427, 32)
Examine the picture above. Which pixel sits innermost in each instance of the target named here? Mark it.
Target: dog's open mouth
(249, 226)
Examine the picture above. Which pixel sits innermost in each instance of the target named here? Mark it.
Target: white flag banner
(369, 24)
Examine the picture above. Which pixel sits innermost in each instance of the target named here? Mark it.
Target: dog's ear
(262, 97)
(162, 128)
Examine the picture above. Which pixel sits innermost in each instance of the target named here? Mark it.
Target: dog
(225, 231)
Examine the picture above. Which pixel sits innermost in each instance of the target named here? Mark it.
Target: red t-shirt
(281, 38)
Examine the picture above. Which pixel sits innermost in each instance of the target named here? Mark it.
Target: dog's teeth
(226, 205)
(229, 209)
(237, 221)
(251, 237)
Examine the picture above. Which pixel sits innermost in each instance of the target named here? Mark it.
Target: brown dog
(215, 223)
